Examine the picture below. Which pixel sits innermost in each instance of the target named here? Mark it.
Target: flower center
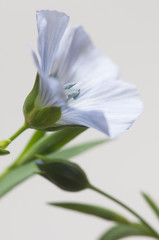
(71, 93)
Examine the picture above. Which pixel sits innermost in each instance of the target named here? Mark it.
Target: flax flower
(77, 77)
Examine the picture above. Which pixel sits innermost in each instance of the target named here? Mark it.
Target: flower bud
(37, 116)
(66, 175)
(5, 143)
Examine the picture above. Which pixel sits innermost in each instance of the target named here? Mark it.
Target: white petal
(78, 60)
(51, 27)
(112, 108)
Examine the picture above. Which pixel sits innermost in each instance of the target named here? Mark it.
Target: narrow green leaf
(62, 137)
(35, 138)
(152, 204)
(121, 231)
(57, 127)
(4, 152)
(76, 150)
(142, 228)
(52, 142)
(93, 210)
(16, 176)
(46, 144)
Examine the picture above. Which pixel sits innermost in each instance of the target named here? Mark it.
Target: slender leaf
(152, 204)
(37, 144)
(4, 152)
(52, 142)
(35, 137)
(76, 150)
(62, 127)
(16, 176)
(93, 210)
(62, 137)
(121, 231)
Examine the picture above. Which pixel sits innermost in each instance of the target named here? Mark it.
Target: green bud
(66, 175)
(36, 116)
(5, 143)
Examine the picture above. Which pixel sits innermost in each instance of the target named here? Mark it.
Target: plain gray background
(128, 32)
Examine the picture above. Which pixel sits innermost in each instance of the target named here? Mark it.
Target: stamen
(69, 85)
(73, 94)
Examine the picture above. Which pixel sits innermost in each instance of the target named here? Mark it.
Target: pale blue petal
(111, 109)
(51, 92)
(51, 27)
(77, 60)
(35, 58)
(104, 103)
(94, 119)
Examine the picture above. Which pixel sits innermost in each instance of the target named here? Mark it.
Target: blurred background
(128, 32)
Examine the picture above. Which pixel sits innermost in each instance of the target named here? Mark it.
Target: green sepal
(29, 103)
(4, 152)
(65, 174)
(37, 116)
(44, 118)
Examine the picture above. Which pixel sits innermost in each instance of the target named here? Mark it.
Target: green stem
(6, 142)
(155, 234)
(17, 133)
